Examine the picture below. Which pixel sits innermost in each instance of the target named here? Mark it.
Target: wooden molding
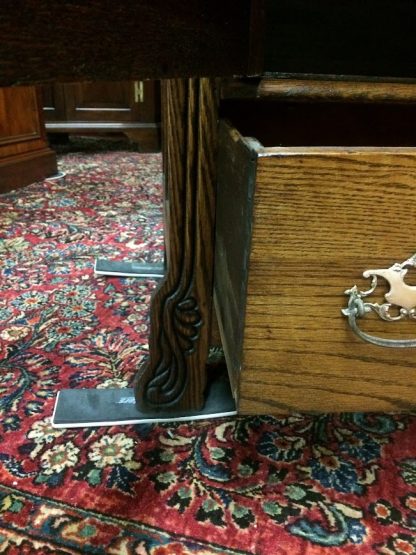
(22, 169)
(319, 90)
(336, 91)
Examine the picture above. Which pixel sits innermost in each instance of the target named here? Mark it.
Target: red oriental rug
(297, 485)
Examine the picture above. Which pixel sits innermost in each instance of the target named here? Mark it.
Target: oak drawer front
(318, 217)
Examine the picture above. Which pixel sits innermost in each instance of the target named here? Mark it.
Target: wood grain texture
(237, 161)
(26, 168)
(44, 40)
(215, 334)
(25, 156)
(322, 90)
(20, 119)
(321, 217)
(336, 91)
(175, 375)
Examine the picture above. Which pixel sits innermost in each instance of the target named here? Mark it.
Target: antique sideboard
(314, 161)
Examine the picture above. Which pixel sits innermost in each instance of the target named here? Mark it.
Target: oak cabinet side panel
(320, 220)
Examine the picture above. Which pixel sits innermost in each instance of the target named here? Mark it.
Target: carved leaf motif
(187, 323)
(170, 375)
(169, 380)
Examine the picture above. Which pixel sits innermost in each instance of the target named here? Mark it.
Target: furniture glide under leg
(173, 383)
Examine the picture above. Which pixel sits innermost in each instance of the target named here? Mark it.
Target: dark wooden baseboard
(147, 139)
(22, 169)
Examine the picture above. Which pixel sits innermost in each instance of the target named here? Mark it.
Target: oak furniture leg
(174, 377)
(173, 383)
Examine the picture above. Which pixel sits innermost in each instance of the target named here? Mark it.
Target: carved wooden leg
(174, 377)
(172, 384)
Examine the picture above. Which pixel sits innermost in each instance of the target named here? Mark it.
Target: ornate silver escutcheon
(400, 302)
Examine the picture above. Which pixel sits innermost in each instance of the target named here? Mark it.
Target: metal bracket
(400, 297)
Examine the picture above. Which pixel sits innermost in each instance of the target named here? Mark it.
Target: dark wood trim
(237, 166)
(319, 90)
(148, 140)
(25, 137)
(351, 78)
(352, 37)
(23, 169)
(256, 38)
(44, 40)
(336, 91)
(181, 307)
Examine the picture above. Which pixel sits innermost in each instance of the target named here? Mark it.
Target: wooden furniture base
(23, 169)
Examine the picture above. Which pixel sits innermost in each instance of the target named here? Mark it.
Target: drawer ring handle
(400, 298)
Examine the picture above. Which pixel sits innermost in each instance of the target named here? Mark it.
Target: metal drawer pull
(400, 297)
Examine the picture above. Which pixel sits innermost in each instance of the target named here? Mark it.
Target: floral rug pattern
(301, 484)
